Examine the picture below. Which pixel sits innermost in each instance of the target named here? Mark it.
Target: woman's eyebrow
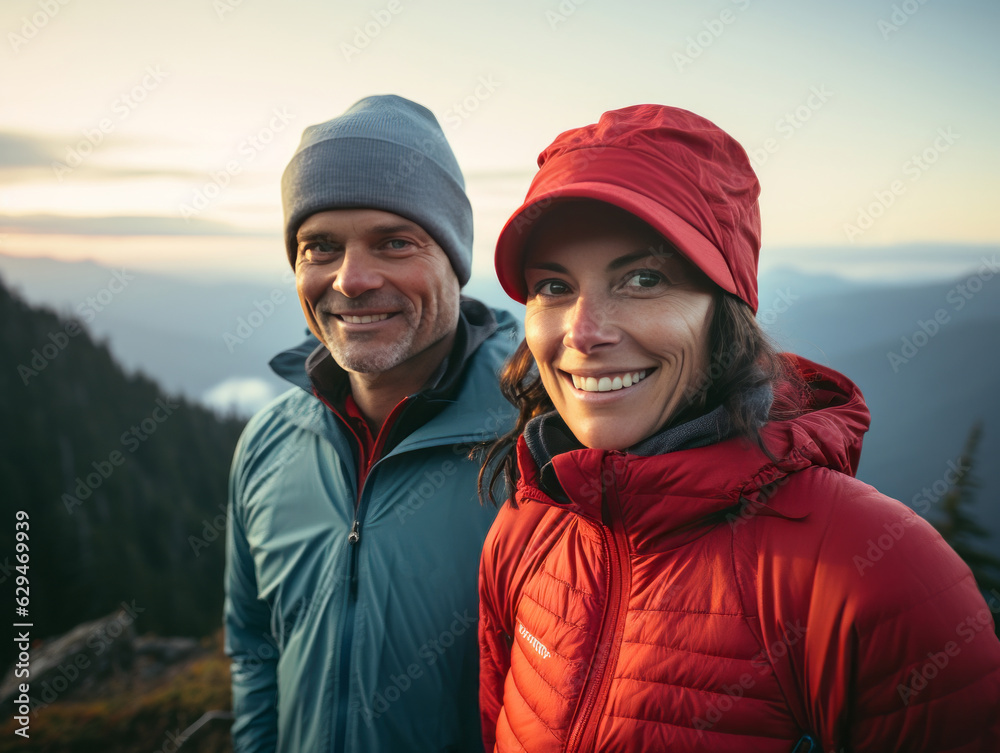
(549, 266)
(624, 261)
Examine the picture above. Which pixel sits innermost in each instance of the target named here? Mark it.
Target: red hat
(679, 173)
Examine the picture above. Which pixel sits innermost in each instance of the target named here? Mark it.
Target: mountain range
(925, 355)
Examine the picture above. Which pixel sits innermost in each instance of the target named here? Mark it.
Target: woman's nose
(590, 324)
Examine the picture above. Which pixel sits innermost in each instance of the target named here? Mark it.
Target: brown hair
(743, 359)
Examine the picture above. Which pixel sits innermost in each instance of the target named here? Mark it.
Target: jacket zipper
(347, 634)
(583, 734)
(353, 543)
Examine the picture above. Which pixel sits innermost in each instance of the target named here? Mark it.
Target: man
(354, 531)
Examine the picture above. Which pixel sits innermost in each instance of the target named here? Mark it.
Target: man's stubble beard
(354, 354)
(373, 354)
(370, 354)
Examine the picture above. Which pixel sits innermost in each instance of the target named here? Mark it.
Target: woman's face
(617, 322)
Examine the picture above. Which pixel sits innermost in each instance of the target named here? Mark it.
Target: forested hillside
(124, 485)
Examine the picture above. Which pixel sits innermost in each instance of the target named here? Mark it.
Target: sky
(154, 134)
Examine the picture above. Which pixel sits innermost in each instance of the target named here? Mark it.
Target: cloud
(242, 395)
(18, 150)
(938, 251)
(53, 224)
(26, 158)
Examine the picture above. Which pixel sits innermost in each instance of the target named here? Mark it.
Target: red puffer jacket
(710, 599)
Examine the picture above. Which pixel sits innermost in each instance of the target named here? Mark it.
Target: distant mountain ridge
(185, 333)
(189, 336)
(924, 405)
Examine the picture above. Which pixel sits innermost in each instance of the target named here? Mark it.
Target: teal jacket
(351, 614)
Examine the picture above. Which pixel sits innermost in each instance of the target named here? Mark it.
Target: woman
(688, 563)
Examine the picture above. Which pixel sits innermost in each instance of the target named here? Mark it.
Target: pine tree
(962, 532)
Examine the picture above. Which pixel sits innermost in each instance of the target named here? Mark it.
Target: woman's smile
(607, 383)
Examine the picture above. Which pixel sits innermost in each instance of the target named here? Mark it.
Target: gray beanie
(384, 153)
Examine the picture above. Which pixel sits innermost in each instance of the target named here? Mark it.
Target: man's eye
(313, 249)
(644, 278)
(398, 244)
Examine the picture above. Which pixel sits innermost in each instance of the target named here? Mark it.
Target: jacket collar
(676, 489)
(466, 405)
(547, 437)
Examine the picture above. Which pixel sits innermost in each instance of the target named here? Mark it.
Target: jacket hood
(702, 481)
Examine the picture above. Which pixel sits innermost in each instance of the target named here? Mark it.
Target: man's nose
(358, 273)
(590, 324)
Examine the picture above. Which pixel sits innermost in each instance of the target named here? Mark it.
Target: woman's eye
(551, 288)
(644, 278)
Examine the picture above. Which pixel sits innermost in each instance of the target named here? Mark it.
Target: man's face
(377, 291)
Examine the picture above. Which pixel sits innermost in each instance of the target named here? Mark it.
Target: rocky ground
(101, 688)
